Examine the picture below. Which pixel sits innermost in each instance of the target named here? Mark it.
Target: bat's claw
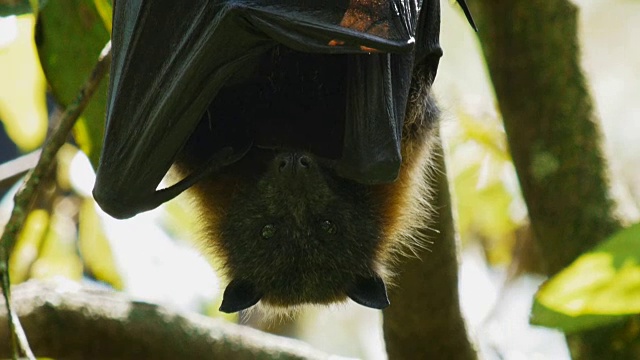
(366, 16)
(228, 155)
(368, 49)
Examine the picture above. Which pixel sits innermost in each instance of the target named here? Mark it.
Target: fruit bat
(302, 129)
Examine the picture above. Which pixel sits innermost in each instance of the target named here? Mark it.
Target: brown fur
(407, 207)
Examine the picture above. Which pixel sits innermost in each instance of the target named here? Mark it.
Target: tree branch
(11, 171)
(67, 321)
(425, 320)
(532, 52)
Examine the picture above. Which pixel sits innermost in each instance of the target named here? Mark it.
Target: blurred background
(154, 256)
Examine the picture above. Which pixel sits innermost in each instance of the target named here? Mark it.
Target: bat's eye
(268, 231)
(329, 227)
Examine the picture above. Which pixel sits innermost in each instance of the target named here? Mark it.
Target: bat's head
(291, 232)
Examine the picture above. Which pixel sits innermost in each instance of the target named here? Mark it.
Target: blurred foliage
(64, 237)
(181, 219)
(14, 7)
(22, 89)
(28, 245)
(487, 199)
(70, 35)
(95, 248)
(93, 244)
(600, 286)
(58, 253)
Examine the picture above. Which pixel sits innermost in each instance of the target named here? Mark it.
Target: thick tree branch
(66, 321)
(424, 320)
(532, 52)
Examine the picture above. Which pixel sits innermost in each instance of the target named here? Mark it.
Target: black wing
(170, 59)
(467, 14)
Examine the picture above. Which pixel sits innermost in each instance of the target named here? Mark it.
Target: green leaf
(544, 316)
(601, 286)
(70, 35)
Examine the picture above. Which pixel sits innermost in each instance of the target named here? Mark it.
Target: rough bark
(532, 53)
(424, 320)
(67, 322)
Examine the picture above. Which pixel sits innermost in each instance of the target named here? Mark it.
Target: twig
(11, 171)
(23, 200)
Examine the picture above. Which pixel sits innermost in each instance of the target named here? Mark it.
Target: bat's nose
(292, 163)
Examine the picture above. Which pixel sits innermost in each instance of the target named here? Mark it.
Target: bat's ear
(239, 295)
(370, 292)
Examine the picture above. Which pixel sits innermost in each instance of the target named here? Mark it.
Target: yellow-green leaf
(602, 284)
(59, 256)
(22, 85)
(28, 245)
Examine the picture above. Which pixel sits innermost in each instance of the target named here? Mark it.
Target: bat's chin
(268, 313)
(287, 293)
(296, 297)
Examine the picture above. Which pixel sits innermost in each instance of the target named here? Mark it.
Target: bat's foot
(366, 16)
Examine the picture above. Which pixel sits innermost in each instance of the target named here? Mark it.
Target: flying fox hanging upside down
(302, 129)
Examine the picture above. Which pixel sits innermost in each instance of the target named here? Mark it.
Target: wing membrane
(171, 58)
